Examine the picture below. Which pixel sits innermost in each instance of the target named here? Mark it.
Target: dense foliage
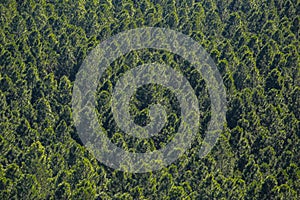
(255, 45)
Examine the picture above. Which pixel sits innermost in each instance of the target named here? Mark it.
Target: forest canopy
(255, 46)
